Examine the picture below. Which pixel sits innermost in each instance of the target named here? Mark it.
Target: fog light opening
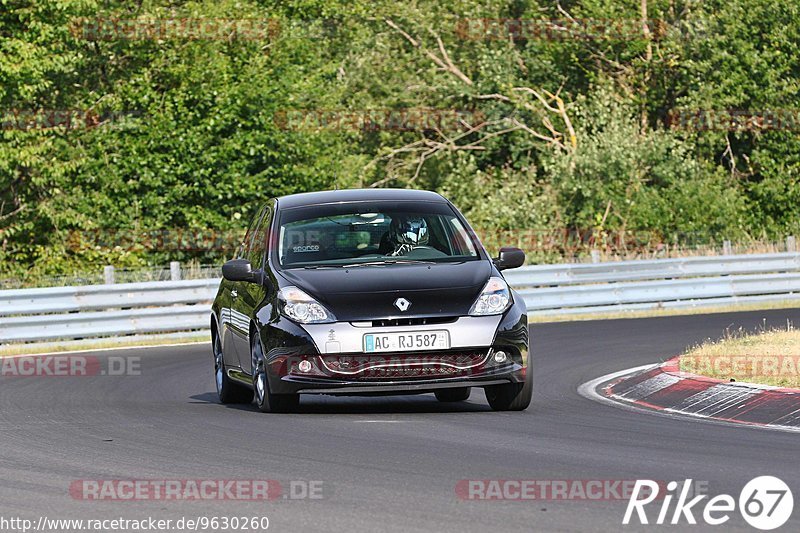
(304, 366)
(500, 357)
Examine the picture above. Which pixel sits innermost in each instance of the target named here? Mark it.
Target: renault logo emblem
(402, 304)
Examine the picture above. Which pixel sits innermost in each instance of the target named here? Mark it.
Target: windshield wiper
(420, 261)
(390, 262)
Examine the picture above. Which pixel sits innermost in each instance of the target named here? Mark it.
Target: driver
(405, 233)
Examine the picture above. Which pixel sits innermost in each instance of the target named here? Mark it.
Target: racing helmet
(411, 231)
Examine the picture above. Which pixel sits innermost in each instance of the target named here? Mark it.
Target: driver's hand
(402, 249)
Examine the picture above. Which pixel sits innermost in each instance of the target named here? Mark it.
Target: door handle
(234, 293)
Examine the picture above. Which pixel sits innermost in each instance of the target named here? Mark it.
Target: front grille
(424, 321)
(394, 366)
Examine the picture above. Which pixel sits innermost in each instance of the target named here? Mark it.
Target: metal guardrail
(93, 297)
(689, 267)
(171, 306)
(105, 310)
(690, 282)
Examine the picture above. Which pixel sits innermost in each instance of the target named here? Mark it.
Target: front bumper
(395, 372)
(333, 360)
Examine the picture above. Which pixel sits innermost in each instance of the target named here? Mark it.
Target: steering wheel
(423, 248)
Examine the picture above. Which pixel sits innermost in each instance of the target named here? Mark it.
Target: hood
(369, 292)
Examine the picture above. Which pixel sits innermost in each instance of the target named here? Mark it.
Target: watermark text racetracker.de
(68, 366)
(66, 119)
(216, 240)
(559, 489)
(753, 367)
(402, 119)
(176, 28)
(187, 490)
(734, 120)
(564, 29)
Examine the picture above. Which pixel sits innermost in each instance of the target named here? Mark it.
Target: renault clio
(367, 292)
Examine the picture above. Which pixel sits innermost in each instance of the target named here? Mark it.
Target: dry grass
(770, 358)
(99, 344)
(651, 313)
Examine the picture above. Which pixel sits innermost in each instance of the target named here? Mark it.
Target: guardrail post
(595, 256)
(727, 249)
(175, 271)
(108, 275)
(791, 244)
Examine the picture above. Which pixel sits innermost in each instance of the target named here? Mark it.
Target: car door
(228, 294)
(249, 295)
(254, 293)
(225, 331)
(237, 321)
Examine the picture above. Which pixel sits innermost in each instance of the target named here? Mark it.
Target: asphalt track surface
(387, 463)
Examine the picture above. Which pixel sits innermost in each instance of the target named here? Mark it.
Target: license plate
(406, 341)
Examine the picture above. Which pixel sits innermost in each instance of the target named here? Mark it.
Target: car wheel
(227, 390)
(458, 394)
(511, 396)
(265, 400)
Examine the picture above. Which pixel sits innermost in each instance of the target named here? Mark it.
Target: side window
(259, 243)
(244, 248)
(460, 241)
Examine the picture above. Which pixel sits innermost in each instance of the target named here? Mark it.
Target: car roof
(356, 195)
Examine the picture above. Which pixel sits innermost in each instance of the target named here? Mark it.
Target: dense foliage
(109, 134)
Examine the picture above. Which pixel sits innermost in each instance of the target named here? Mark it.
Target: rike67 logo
(765, 503)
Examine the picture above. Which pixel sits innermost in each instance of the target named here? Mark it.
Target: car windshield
(372, 233)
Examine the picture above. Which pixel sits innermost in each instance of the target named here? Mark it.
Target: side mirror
(509, 258)
(239, 270)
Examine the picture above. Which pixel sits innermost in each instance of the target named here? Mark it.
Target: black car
(360, 292)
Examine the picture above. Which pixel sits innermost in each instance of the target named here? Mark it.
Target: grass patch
(768, 358)
(650, 313)
(100, 344)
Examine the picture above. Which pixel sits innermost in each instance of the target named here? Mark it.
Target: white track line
(589, 391)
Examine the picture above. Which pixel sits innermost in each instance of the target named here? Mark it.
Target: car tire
(227, 390)
(511, 396)
(266, 401)
(458, 394)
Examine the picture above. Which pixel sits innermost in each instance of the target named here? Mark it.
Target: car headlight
(302, 308)
(494, 299)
